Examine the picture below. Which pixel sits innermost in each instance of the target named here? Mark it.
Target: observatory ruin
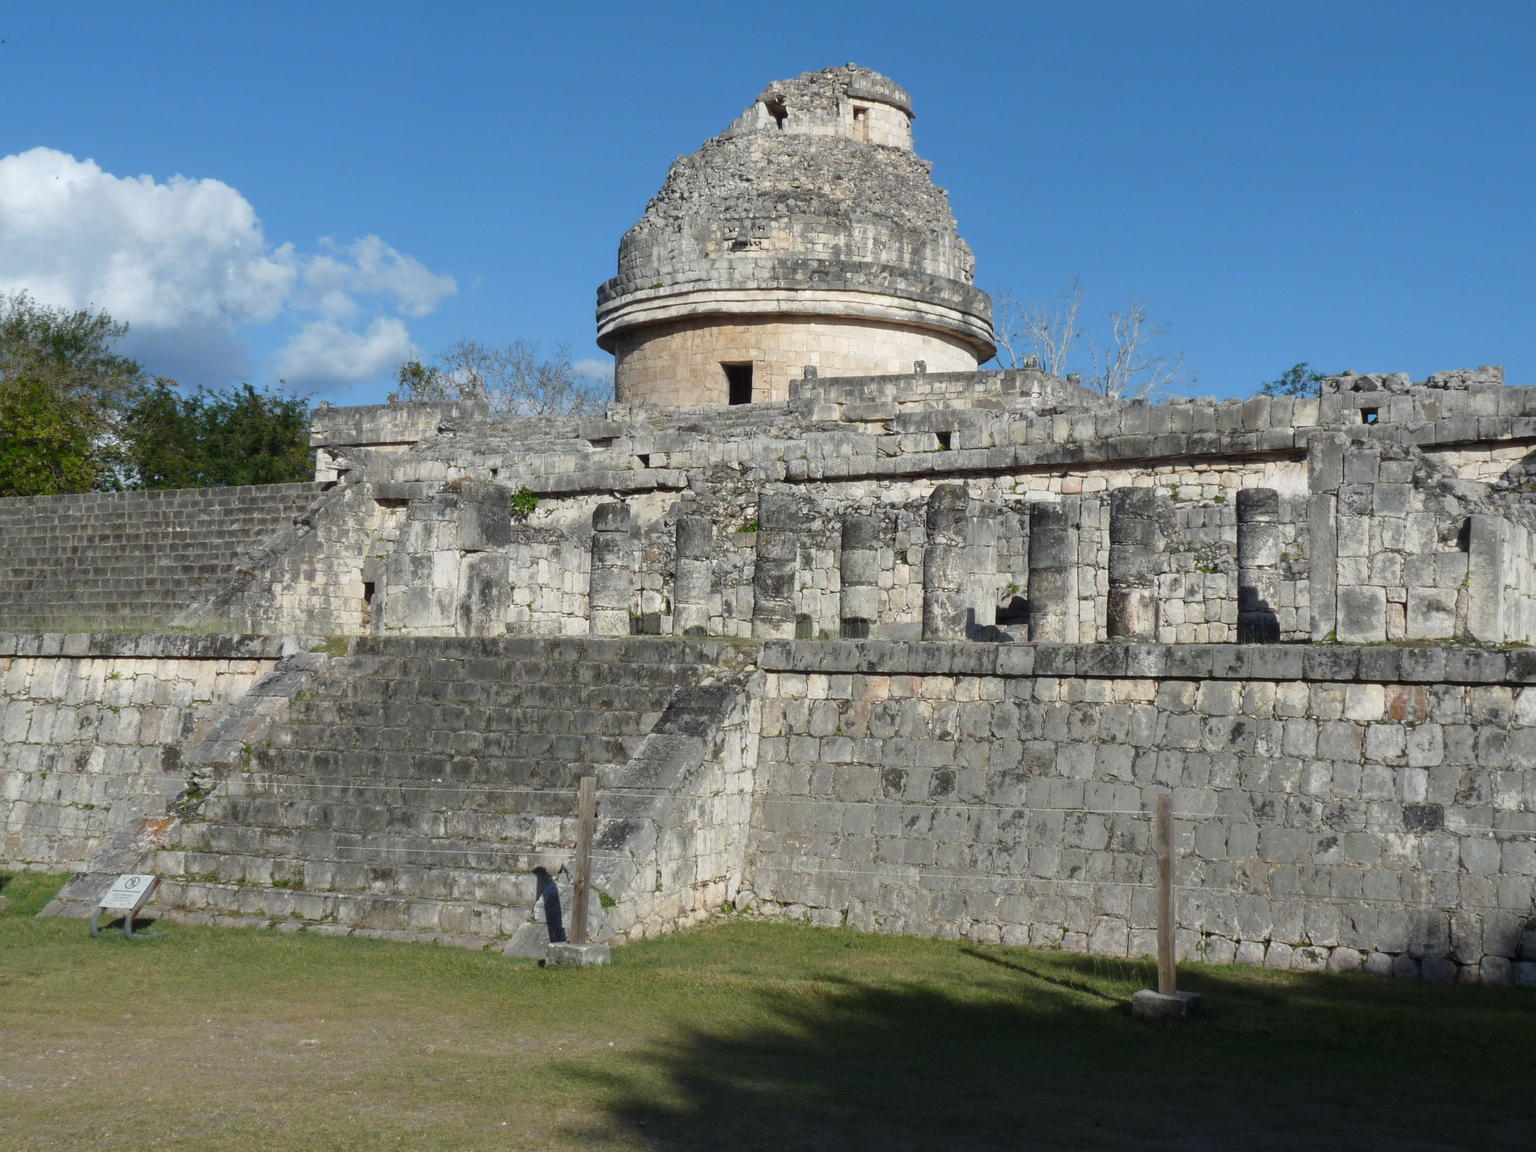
(848, 629)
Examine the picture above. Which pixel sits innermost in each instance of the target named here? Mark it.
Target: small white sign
(129, 892)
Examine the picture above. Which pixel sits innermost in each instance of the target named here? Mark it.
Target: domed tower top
(848, 101)
(806, 234)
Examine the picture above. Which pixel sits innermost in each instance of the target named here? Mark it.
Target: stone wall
(1337, 807)
(92, 730)
(679, 364)
(1342, 807)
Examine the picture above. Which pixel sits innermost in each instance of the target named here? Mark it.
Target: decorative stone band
(374, 425)
(804, 287)
(1340, 663)
(152, 646)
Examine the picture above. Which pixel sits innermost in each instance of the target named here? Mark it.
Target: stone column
(485, 593)
(1325, 474)
(611, 590)
(1258, 565)
(945, 579)
(695, 570)
(778, 555)
(1487, 556)
(1049, 586)
(1135, 547)
(859, 605)
(1362, 603)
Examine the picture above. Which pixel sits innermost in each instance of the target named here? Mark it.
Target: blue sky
(312, 190)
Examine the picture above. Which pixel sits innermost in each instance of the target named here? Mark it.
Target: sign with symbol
(129, 893)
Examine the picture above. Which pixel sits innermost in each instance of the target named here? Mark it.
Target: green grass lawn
(743, 1035)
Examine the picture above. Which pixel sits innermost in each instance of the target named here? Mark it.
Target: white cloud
(595, 369)
(185, 263)
(369, 268)
(325, 352)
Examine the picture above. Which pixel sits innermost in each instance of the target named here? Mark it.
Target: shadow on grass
(1038, 1050)
(1068, 982)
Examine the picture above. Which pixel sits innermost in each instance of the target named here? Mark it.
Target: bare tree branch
(1045, 330)
(514, 379)
(1044, 334)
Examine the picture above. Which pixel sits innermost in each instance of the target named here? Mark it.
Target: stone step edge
(201, 918)
(275, 890)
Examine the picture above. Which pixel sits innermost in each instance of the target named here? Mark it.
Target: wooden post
(1167, 978)
(586, 827)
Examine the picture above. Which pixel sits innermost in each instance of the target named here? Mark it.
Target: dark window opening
(738, 382)
(860, 123)
(1369, 415)
(367, 603)
(777, 110)
(645, 459)
(601, 442)
(943, 440)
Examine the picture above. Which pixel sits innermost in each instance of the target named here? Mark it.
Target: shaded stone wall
(92, 729)
(1338, 808)
(1341, 807)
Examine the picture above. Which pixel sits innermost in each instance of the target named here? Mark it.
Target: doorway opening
(738, 383)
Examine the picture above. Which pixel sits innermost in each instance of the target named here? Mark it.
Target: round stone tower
(805, 234)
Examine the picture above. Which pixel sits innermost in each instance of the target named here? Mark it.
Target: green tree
(209, 439)
(62, 394)
(1297, 380)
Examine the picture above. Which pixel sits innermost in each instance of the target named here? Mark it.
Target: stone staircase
(417, 782)
(131, 560)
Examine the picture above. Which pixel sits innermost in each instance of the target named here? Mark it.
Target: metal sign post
(128, 894)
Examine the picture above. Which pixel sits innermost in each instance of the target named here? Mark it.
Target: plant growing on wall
(523, 503)
(1297, 380)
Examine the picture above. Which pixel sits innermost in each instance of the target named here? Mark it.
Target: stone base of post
(1150, 1004)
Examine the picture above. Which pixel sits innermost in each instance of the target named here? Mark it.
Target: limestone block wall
(549, 571)
(1393, 398)
(306, 574)
(1339, 808)
(857, 448)
(1409, 551)
(869, 399)
(444, 575)
(671, 844)
(447, 571)
(91, 729)
(679, 363)
(343, 436)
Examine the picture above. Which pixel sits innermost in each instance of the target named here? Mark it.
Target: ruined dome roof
(763, 173)
(814, 186)
(824, 88)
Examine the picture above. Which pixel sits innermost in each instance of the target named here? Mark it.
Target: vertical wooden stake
(586, 827)
(1167, 980)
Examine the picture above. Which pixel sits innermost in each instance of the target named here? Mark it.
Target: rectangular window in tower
(860, 123)
(738, 383)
